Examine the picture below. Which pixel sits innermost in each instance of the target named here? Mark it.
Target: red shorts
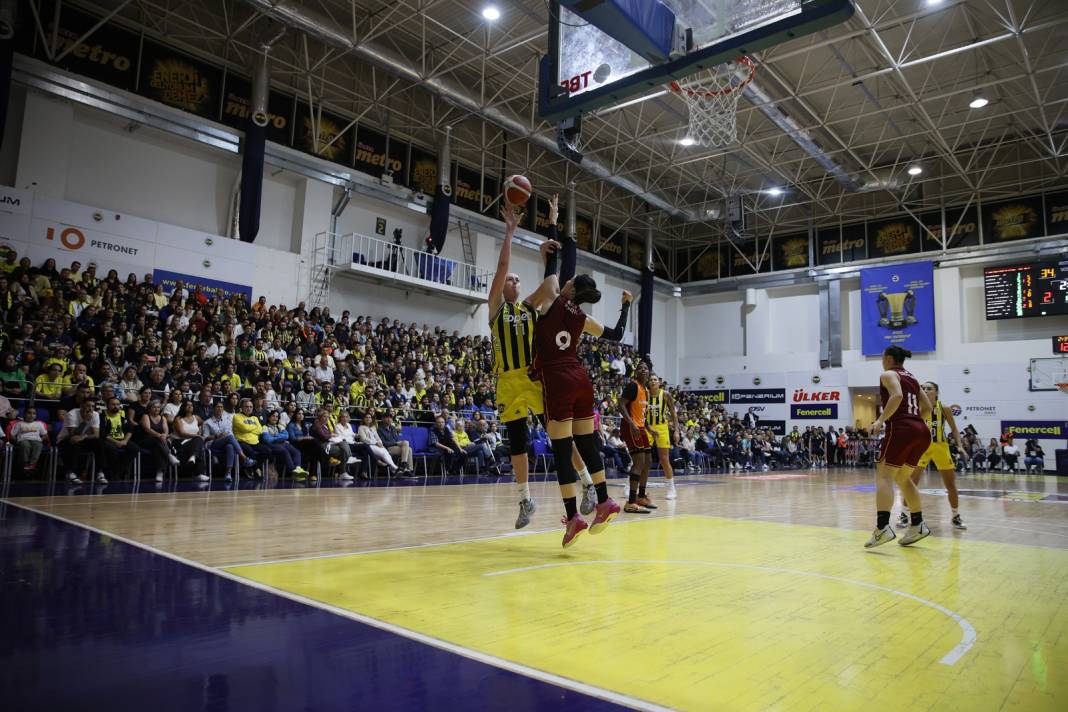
(904, 443)
(568, 393)
(637, 440)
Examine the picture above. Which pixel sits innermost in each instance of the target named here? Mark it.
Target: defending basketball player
(569, 391)
(905, 408)
(638, 436)
(664, 420)
(512, 331)
(939, 454)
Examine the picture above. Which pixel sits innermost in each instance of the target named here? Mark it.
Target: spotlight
(978, 101)
(686, 141)
(774, 191)
(915, 170)
(491, 13)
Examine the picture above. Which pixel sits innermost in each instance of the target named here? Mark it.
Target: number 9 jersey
(567, 386)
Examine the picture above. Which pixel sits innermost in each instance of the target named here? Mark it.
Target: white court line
(518, 668)
(968, 634)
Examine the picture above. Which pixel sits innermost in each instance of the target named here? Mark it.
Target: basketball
(517, 190)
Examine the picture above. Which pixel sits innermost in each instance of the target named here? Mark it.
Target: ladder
(319, 272)
(465, 240)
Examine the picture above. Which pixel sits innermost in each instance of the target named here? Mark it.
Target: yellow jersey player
(939, 453)
(664, 421)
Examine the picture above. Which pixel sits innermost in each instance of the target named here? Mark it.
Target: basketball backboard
(586, 69)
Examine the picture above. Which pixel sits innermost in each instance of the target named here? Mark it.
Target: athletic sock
(602, 492)
(916, 518)
(641, 491)
(632, 496)
(584, 475)
(882, 520)
(955, 512)
(524, 491)
(570, 507)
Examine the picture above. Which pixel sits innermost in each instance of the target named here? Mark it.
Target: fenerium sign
(758, 395)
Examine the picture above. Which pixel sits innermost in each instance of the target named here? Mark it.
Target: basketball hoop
(712, 98)
(1063, 387)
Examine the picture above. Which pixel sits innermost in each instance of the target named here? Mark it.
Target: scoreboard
(1030, 289)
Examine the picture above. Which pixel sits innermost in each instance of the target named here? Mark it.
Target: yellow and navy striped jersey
(937, 424)
(512, 328)
(657, 413)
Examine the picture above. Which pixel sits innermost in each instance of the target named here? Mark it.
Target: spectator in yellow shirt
(49, 384)
(248, 429)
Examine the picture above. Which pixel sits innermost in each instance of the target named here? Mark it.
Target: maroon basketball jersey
(557, 334)
(909, 409)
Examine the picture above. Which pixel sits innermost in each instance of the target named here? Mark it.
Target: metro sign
(803, 396)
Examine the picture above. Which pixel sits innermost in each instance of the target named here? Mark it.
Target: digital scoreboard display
(1032, 289)
(1060, 345)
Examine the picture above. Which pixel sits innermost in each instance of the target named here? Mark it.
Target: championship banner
(423, 175)
(176, 79)
(236, 100)
(211, 288)
(1036, 429)
(789, 251)
(889, 238)
(897, 308)
(707, 263)
(332, 143)
(1017, 219)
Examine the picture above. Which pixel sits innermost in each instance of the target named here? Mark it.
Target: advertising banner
(279, 110)
(211, 288)
(1036, 429)
(757, 395)
(814, 411)
(109, 54)
(790, 251)
(888, 238)
(333, 141)
(424, 173)
(897, 307)
(1017, 219)
(176, 79)
(1056, 213)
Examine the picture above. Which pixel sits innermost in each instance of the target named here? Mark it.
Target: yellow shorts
(517, 395)
(939, 453)
(662, 436)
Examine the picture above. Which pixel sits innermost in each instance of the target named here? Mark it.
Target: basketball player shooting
(512, 335)
(569, 391)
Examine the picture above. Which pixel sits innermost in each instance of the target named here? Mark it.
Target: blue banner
(897, 308)
(814, 411)
(1036, 429)
(211, 288)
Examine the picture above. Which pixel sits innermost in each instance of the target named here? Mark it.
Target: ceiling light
(915, 170)
(686, 141)
(491, 13)
(934, 2)
(774, 191)
(978, 101)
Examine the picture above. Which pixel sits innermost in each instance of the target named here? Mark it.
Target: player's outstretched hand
(511, 214)
(554, 208)
(627, 297)
(548, 247)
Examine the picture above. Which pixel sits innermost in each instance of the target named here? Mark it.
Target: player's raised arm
(511, 214)
(615, 333)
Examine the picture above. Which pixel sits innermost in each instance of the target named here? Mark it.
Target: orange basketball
(517, 190)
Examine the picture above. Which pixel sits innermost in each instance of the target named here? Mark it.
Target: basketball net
(712, 98)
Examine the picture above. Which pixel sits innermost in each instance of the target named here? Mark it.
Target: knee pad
(517, 436)
(565, 471)
(590, 452)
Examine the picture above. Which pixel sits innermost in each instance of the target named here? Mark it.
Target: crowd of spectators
(175, 380)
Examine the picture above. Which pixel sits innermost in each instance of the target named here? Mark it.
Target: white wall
(90, 157)
(778, 341)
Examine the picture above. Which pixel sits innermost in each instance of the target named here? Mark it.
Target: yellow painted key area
(704, 613)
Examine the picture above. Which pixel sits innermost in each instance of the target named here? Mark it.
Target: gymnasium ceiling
(883, 91)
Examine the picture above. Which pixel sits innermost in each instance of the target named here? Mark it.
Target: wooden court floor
(749, 592)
